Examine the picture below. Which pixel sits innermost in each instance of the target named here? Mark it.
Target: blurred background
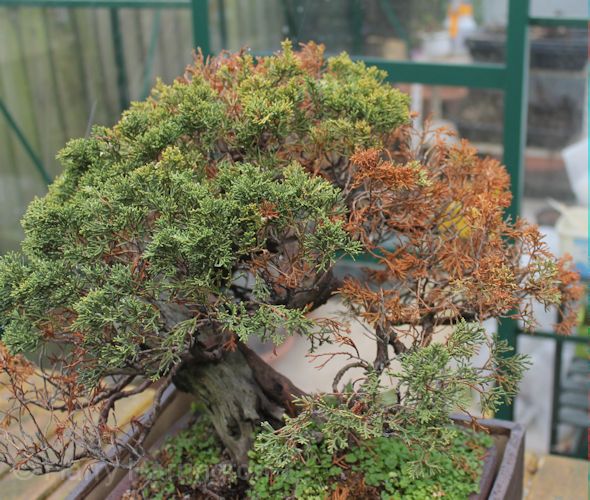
(66, 65)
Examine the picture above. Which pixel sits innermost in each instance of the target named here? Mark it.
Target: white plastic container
(572, 228)
(436, 45)
(576, 164)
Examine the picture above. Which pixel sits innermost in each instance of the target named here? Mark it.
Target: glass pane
(556, 168)
(496, 11)
(559, 8)
(557, 113)
(257, 24)
(64, 70)
(473, 114)
(392, 29)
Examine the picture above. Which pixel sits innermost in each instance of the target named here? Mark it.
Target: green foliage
(384, 463)
(191, 233)
(268, 322)
(307, 479)
(168, 207)
(194, 459)
(21, 334)
(355, 91)
(326, 420)
(439, 378)
(328, 238)
(433, 382)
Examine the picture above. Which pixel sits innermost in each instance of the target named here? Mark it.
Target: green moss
(185, 464)
(382, 463)
(194, 459)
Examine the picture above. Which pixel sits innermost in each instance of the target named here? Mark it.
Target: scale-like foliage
(215, 210)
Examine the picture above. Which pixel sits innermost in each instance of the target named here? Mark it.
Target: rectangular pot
(502, 476)
(503, 472)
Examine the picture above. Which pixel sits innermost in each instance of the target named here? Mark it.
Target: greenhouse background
(66, 65)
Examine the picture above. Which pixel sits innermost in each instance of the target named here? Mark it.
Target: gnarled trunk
(238, 391)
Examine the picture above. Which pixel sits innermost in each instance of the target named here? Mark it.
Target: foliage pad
(216, 210)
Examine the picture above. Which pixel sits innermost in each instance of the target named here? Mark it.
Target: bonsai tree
(216, 211)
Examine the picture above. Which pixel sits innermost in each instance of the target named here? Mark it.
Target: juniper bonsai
(215, 211)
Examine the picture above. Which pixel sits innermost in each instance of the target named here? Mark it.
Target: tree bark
(239, 391)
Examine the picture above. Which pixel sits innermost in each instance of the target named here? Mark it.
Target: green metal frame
(122, 80)
(490, 76)
(511, 78)
(201, 33)
(25, 143)
(515, 112)
(559, 340)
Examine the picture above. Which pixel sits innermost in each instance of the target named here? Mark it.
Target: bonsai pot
(502, 475)
(503, 470)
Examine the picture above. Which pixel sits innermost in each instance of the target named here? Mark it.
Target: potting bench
(556, 478)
